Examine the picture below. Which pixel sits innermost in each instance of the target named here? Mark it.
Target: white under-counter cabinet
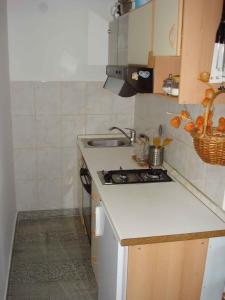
(167, 27)
(177, 270)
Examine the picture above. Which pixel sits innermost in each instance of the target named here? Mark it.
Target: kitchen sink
(106, 142)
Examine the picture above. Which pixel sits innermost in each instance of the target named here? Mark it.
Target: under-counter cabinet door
(95, 200)
(140, 34)
(167, 27)
(171, 271)
(111, 264)
(214, 277)
(113, 42)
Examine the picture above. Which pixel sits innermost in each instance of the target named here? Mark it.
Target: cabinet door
(140, 35)
(112, 263)
(167, 27)
(95, 199)
(108, 256)
(123, 40)
(113, 42)
(214, 277)
(171, 271)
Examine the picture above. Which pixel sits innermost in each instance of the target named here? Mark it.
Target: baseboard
(40, 214)
(10, 256)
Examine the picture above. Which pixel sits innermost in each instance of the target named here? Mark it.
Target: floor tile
(51, 261)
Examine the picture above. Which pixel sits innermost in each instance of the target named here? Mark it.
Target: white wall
(47, 117)
(55, 40)
(150, 111)
(64, 43)
(7, 201)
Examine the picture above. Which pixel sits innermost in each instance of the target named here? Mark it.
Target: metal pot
(155, 156)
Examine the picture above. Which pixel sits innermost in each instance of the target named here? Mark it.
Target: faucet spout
(131, 138)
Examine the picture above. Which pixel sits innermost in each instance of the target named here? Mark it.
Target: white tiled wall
(150, 111)
(47, 117)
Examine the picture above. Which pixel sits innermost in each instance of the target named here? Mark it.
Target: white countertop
(150, 209)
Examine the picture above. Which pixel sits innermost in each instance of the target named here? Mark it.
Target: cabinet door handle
(172, 38)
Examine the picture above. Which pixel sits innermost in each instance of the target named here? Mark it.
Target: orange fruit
(221, 128)
(204, 76)
(199, 121)
(184, 115)
(221, 120)
(209, 129)
(175, 122)
(189, 127)
(209, 93)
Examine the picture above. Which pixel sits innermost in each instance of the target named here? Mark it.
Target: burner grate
(134, 176)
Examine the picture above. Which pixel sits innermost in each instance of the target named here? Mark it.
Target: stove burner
(152, 176)
(123, 177)
(133, 176)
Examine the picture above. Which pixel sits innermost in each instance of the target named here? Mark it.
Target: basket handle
(208, 109)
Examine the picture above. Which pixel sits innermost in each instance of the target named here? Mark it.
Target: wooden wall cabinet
(167, 27)
(200, 20)
(173, 36)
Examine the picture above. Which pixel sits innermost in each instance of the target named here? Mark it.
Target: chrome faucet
(131, 137)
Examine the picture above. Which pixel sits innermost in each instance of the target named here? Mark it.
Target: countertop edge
(172, 238)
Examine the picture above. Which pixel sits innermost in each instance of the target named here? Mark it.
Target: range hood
(127, 81)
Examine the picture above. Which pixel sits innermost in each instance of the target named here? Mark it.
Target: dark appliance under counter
(86, 181)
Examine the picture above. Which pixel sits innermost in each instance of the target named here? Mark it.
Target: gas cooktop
(133, 176)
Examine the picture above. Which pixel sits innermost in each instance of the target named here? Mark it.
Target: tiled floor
(51, 261)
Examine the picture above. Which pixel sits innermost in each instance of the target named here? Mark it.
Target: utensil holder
(156, 155)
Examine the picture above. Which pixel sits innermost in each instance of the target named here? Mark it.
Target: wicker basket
(210, 147)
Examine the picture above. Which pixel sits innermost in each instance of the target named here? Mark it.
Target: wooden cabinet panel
(200, 23)
(140, 34)
(167, 27)
(171, 271)
(95, 198)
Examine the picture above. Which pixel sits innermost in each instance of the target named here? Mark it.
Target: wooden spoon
(166, 142)
(157, 141)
